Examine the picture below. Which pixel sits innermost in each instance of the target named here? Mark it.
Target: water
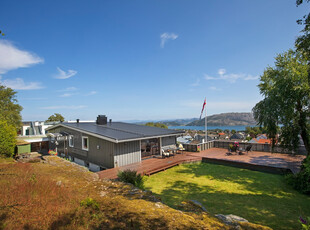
(237, 128)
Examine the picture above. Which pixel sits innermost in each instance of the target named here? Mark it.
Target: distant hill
(176, 122)
(226, 119)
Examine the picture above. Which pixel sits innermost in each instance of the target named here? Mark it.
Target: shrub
(90, 203)
(301, 181)
(7, 139)
(132, 177)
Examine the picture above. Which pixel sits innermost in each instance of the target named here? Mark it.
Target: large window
(71, 141)
(85, 143)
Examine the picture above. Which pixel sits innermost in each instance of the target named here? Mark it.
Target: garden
(261, 198)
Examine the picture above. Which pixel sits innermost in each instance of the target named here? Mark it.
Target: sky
(141, 60)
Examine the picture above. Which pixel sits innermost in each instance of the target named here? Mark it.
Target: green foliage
(157, 124)
(233, 131)
(132, 177)
(285, 88)
(7, 139)
(303, 42)
(56, 117)
(90, 203)
(10, 110)
(301, 181)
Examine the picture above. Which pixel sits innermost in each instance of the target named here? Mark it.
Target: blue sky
(141, 60)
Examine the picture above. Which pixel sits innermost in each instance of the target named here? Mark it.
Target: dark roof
(120, 131)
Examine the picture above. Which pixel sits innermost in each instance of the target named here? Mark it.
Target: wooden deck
(153, 165)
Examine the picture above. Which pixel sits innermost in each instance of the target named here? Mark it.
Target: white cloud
(65, 75)
(232, 77)
(91, 93)
(167, 36)
(13, 58)
(66, 95)
(19, 84)
(65, 107)
(221, 71)
(68, 89)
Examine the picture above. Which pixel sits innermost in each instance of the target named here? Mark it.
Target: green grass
(261, 198)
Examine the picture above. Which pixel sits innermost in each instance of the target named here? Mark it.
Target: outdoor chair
(248, 148)
(181, 148)
(164, 153)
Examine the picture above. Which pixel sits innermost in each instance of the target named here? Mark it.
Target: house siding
(127, 153)
(168, 141)
(102, 156)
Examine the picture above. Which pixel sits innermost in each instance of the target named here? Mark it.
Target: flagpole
(206, 128)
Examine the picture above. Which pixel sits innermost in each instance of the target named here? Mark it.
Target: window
(85, 143)
(71, 141)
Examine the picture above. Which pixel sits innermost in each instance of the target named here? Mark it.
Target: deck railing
(255, 147)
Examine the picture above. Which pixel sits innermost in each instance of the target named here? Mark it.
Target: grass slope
(57, 194)
(259, 197)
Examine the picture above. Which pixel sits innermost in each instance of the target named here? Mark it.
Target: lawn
(261, 198)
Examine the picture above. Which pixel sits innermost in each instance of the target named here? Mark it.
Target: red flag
(203, 107)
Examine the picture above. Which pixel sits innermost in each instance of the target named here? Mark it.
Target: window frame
(71, 141)
(83, 148)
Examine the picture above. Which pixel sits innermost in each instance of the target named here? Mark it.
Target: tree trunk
(304, 132)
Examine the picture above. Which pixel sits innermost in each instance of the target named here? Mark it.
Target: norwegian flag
(203, 107)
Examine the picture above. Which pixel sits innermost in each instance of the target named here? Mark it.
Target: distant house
(262, 139)
(202, 138)
(223, 136)
(185, 139)
(34, 132)
(237, 136)
(102, 144)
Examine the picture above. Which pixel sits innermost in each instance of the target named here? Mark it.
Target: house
(185, 139)
(34, 132)
(202, 138)
(102, 144)
(237, 136)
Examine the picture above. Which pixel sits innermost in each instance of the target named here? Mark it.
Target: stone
(231, 219)
(199, 205)
(158, 205)
(58, 183)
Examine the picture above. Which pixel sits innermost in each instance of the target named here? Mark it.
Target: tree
(55, 117)
(233, 131)
(10, 110)
(285, 88)
(7, 139)
(303, 42)
(158, 125)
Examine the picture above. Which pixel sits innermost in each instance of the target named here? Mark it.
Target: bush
(132, 177)
(90, 203)
(301, 181)
(7, 139)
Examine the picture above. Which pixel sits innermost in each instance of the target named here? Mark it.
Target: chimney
(77, 120)
(102, 120)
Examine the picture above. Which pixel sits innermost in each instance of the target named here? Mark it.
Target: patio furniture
(180, 148)
(164, 153)
(248, 148)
